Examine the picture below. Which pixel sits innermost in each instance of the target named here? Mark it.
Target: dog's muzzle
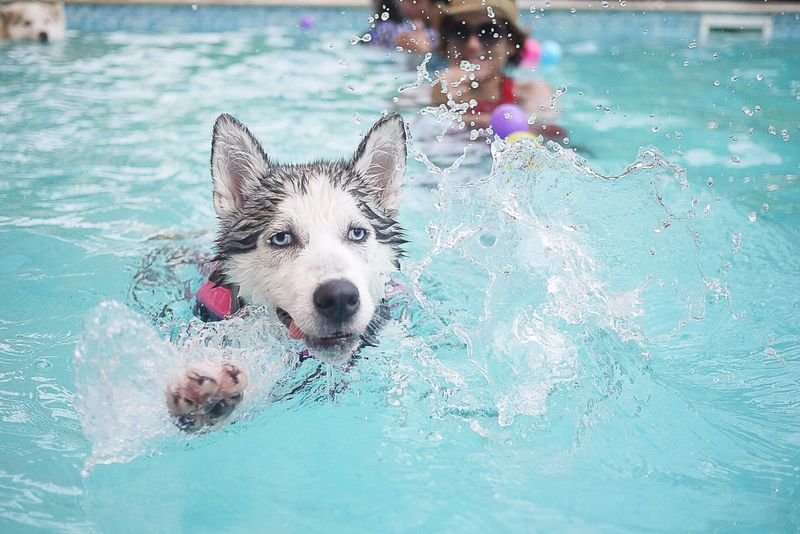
(337, 301)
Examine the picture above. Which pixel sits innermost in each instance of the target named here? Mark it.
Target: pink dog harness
(217, 299)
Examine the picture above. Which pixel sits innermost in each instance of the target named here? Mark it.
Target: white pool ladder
(735, 23)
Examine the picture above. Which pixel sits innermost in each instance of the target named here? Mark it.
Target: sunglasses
(487, 33)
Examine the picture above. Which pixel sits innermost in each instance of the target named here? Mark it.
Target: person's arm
(418, 40)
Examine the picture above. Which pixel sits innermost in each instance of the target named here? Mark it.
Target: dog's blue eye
(356, 234)
(281, 239)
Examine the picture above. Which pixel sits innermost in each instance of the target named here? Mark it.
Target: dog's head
(35, 21)
(316, 241)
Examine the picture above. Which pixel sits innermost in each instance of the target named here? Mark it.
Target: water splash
(544, 279)
(544, 268)
(122, 368)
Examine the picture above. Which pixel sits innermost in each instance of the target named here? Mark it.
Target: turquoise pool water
(604, 341)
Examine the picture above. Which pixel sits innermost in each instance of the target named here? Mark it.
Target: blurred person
(481, 41)
(406, 24)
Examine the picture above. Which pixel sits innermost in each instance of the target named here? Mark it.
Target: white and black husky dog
(316, 242)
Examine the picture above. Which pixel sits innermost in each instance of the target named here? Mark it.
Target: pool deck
(686, 6)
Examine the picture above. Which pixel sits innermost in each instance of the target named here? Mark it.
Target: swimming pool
(607, 343)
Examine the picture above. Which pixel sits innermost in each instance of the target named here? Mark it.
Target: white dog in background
(33, 21)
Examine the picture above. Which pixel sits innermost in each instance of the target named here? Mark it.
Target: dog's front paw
(205, 394)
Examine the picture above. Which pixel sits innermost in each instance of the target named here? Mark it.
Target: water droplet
(693, 44)
(736, 239)
(532, 119)
(734, 78)
(488, 240)
(752, 217)
(735, 159)
(565, 140)
(490, 12)
(759, 77)
(385, 16)
(707, 209)
(42, 363)
(757, 108)
(772, 130)
(652, 251)
(685, 63)
(715, 55)
(716, 83)
(654, 129)
(572, 10)
(785, 134)
(679, 135)
(765, 207)
(747, 111)
(710, 181)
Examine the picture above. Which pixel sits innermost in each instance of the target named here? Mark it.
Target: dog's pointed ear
(58, 9)
(238, 164)
(381, 159)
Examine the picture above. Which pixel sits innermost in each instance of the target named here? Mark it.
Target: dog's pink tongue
(295, 332)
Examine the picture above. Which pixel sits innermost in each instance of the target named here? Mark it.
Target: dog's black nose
(43, 37)
(337, 300)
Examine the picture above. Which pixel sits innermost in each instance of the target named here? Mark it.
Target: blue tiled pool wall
(203, 18)
(557, 25)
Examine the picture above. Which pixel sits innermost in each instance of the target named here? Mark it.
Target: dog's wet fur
(32, 21)
(315, 242)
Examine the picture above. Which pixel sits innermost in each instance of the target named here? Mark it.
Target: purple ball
(307, 22)
(507, 119)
